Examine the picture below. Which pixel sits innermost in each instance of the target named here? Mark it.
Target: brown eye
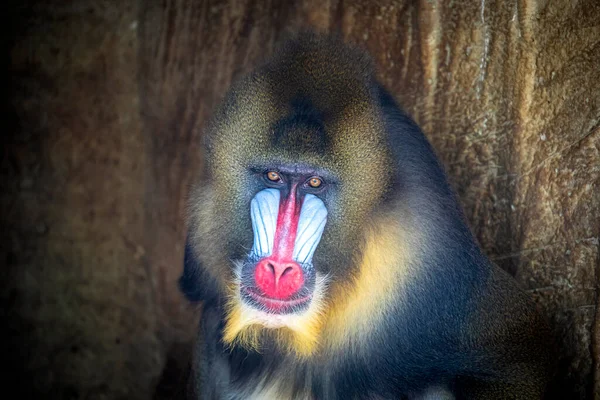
(273, 176)
(315, 182)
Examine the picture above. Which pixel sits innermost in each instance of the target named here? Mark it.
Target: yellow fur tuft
(360, 305)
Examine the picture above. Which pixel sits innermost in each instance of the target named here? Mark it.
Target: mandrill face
(278, 279)
(293, 183)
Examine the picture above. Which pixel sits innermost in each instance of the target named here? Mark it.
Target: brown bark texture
(102, 140)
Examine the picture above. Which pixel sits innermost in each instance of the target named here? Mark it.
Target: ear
(195, 283)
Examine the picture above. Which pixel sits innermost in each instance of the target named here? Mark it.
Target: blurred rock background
(103, 118)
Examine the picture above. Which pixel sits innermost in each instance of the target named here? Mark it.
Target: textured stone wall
(102, 140)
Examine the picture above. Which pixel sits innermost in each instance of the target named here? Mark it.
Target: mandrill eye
(273, 176)
(315, 182)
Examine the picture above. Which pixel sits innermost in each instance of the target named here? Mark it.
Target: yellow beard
(295, 334)
(354, 309)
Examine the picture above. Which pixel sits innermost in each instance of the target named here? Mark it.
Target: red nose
(278, 279)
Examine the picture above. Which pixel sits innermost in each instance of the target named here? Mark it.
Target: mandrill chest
(284, 387)
(278, 377)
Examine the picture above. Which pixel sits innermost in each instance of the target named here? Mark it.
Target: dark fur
(465, 325)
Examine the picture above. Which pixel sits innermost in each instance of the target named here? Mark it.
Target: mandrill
(332, 257)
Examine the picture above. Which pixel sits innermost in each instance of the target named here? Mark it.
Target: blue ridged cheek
(313, 218)
(264, 209)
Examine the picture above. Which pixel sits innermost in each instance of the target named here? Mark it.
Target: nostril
(278, 279)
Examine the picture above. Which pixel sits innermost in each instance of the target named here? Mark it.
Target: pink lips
(276, 305)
